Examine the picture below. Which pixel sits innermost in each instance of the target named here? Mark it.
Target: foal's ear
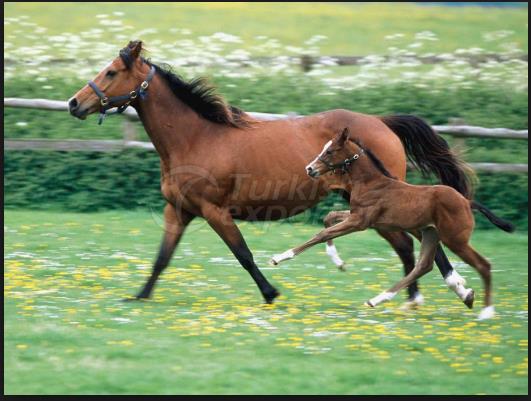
(135, 47)
(344, 136)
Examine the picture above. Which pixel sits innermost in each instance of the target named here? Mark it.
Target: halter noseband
(108, 102)
(344, 165)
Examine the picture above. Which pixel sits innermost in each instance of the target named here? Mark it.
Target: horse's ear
(136, 47)
(344, 136)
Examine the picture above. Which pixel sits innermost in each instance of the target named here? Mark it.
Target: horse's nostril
(72, 104)
(309, 169)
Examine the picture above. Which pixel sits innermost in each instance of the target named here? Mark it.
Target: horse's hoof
(273, 262)
(137, 298)
(270, 297)
(368, 303)
(487, 313)
(469, 299)
(342, 268)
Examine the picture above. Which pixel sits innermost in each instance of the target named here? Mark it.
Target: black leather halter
(344, 165)
(110, 102)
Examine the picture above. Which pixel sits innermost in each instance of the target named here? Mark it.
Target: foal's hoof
(273, 262)
(270, 296)
(342, 268)
(469, 299)
(413, 302)
(487, 312)
(368, 303)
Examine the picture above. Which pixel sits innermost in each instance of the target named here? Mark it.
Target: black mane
(197, 93)
(375, 161)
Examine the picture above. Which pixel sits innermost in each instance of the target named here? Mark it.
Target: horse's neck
(171, 124)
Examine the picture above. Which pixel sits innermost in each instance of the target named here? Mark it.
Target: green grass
(352, 29)
(206, 331)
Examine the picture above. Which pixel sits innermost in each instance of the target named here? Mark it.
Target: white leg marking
(332, 252)
(275, 260)
(417, 300)
(487, 313)
(454, 279)
(383, 297)
(457, 283)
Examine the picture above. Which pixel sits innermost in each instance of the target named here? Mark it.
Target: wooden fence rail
(460, 131)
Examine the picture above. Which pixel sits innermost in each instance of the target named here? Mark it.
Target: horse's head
(337, 154)
(117, 85)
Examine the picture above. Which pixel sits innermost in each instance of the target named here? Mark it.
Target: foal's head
(337, 154)
(120, 78)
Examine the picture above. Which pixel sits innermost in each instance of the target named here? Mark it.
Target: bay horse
(219, 163)
(378, 200)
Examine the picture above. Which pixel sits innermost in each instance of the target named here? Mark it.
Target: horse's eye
(328, 152)
(110, 73)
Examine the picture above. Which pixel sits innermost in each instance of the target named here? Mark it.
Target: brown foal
(219, 163)
(380, 201)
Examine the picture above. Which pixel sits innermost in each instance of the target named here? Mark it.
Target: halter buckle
(104, 101)
(356, 157)
(144, 85)
(133, 95)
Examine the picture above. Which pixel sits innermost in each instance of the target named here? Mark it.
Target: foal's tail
(430, 153)
(498, 222)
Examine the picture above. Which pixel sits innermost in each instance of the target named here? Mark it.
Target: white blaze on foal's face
(313, 167)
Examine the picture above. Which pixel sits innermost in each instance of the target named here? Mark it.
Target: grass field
(206, 331)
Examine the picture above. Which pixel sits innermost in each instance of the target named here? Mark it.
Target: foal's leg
(402, 243)
(428, 247)
(452, 278)
(353, 223)
(221, 221)
(474, 259)
(331, 219)
(175, 222)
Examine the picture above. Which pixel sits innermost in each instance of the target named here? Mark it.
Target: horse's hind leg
(474, 259)
(331, 219)
(430, 239)
(175, 222)
(221, 221)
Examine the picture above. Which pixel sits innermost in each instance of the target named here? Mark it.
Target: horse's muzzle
(75, 110)
(312, 172)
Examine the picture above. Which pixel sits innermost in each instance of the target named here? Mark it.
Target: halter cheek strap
(344, 165)
(110, 102)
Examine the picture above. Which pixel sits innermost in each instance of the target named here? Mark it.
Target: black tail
(500, 223)
(430, 153)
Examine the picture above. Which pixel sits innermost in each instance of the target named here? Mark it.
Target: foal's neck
(363, 171)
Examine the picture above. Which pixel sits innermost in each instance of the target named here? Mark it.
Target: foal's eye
(110, 73)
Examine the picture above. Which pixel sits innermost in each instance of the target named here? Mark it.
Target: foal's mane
(197, 93)
(374, 159)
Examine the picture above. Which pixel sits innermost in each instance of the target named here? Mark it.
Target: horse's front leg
(175, 222)
(353, 223)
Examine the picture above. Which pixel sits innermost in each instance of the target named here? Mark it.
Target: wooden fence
(130, 136)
